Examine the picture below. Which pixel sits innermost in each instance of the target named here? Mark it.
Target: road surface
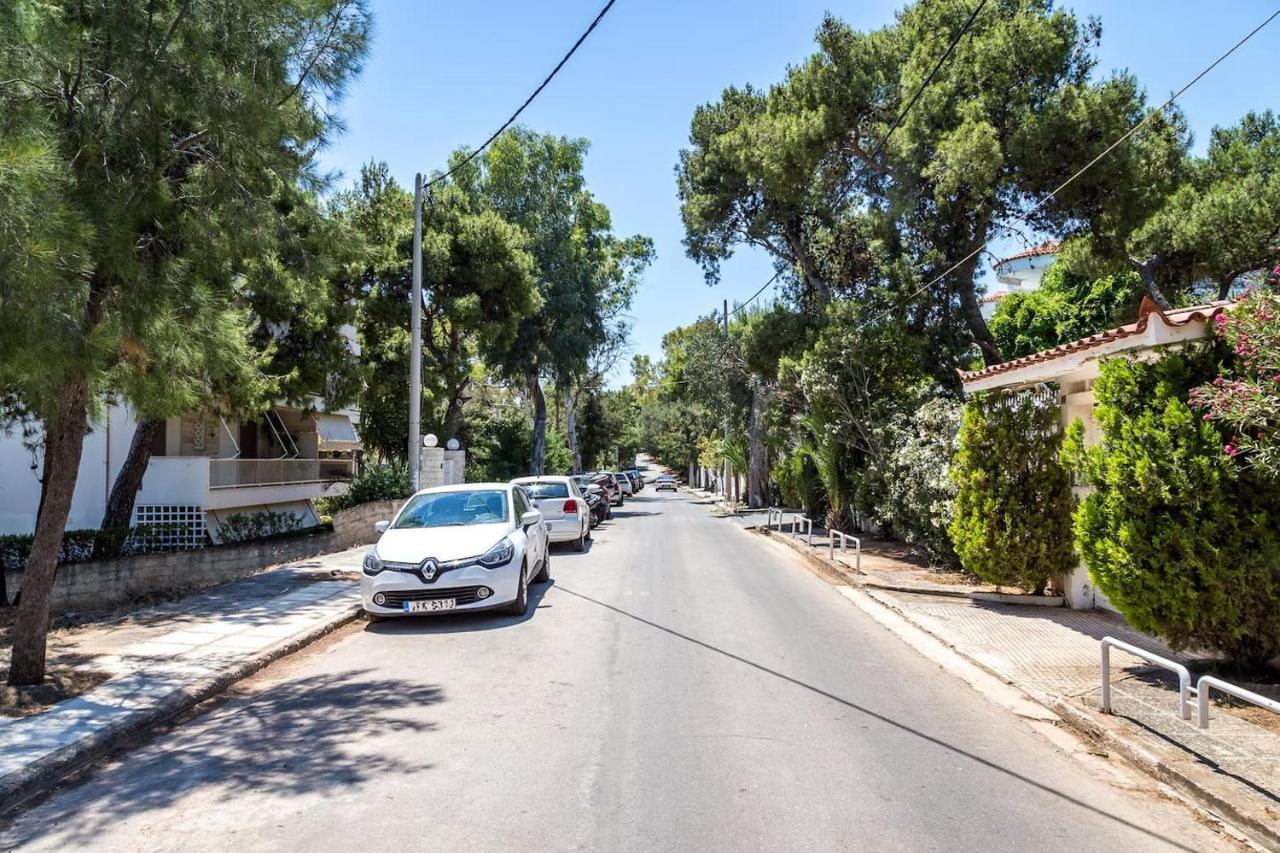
(682, 686)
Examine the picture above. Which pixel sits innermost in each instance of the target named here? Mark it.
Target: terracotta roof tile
(1178, 317)
(1049, 248)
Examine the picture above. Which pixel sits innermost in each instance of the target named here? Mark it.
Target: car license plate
(430, 606)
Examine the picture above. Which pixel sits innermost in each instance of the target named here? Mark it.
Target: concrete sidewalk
(1052, 654)
(163, 660)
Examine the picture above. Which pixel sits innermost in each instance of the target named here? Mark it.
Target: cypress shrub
(1182, 538)
(1012, 521)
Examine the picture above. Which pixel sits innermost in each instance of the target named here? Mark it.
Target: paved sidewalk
(165, 659)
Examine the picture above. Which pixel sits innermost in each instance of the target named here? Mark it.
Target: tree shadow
(464, 622)
(296, 737)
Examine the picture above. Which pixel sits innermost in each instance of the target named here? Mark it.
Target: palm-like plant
(824, 449)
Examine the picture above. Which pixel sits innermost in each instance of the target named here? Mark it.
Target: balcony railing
(230, 473)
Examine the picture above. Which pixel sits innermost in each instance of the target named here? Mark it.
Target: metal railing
(1208, 682)
(845, 538)
(1184, 675)
(230, 473)
(778, 516)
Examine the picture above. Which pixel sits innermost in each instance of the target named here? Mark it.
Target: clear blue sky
(446, 74)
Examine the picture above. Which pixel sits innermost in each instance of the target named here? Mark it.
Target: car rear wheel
(520, 606)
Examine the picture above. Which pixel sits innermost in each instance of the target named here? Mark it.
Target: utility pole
(415, 343)
(727, 467)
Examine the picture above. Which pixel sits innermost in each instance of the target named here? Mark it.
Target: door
(248, 440)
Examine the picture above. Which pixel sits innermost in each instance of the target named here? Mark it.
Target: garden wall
(104, 583)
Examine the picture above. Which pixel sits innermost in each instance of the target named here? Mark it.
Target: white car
(624, 481)
(563, 507)
(469, 547)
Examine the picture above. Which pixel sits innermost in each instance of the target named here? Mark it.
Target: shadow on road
(294, 738)
(463, 622)
(889, 721)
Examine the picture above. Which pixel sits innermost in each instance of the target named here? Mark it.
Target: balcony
(235, 473)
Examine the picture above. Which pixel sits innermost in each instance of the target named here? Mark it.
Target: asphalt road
(682, 686)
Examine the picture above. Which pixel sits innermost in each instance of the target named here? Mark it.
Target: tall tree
(478, 284)
(535, 181)
(172, 124)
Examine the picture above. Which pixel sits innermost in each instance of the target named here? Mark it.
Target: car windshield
(454, 509)
(537, 491)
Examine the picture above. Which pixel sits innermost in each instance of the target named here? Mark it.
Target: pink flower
(1231, 450)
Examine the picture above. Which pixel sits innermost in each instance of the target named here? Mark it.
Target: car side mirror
(381, 526)
(530, 518)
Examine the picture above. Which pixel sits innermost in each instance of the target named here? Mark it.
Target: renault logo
(429, 569)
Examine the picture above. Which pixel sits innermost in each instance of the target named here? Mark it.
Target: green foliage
(919, 496)
(388, 482)
(245, 527)
(1012, 524)
(1066, 307)
(1177, 535)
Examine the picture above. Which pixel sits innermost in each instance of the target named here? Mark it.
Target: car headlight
(498, 555)
(372, 565)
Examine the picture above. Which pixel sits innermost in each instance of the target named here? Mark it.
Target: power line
(527, 101)
(1112, 147)
(753, 296)
(927, 80)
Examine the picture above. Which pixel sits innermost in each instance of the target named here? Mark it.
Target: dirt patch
(60, 683)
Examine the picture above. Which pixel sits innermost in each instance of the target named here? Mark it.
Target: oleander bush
(1012, 522)
(388, 482)
(1180, 536)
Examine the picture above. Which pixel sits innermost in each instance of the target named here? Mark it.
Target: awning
(336, 432)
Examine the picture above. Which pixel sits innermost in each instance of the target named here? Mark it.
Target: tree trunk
(758, 473)
(538, 456)
(1147, 272)
(124, 491)
(64, 443)
(453, 414)
(814, 283)
(571, 430)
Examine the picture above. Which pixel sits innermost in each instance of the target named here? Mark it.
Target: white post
(415, 342)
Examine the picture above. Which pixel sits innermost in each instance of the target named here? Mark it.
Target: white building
(203, 469)
(1020, 273)
(1069, 371)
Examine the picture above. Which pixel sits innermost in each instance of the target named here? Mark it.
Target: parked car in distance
(625, 482)
(637, 482)
(665, 481)
(470, 547)
(563, 507)
(597, 498)
(611, 485)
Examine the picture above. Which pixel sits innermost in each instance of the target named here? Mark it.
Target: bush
(243, 527)
(1179, 536)
(1247, 402)
(1066, 307)
(918, 503)
(375, 483)
(81, 546)
(1012, 524)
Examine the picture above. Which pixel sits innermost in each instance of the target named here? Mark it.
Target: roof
(1049, 248)
(993, 297)
(465, 487)
(1172, 319)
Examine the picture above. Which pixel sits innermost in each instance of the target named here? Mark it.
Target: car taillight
(570, 506)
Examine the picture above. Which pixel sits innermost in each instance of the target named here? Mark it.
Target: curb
(869, 581)
(45, 772)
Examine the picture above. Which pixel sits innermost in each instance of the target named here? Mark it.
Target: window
(546, 490)
(521, 501)
(453, 509)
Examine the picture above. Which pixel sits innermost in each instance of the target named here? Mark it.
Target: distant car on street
(470, 547)
(611, 485)
(625, 482)
(637, 482)
(563, 507)
(597, 498)
(665, 481)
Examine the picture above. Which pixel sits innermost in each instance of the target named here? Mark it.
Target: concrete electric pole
(415, 343)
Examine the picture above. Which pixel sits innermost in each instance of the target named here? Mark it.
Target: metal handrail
(844, 546)
(1184, 675)
(1207, 682)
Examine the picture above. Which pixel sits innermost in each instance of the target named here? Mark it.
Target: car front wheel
(521, 605)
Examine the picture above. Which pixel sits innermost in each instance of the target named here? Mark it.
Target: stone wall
(105, 583)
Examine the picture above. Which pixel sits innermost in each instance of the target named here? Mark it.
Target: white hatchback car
(563, 507)
(469, 547)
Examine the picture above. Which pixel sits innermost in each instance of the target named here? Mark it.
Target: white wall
(20, 485)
